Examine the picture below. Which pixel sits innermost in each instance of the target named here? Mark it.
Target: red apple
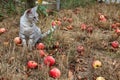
(17, 40)
(96, 64)
(42, 53)
(83, 26)
(90, 29)
(115, 44)
(54, 23)
(40, 46)
(117, 31)
(49, 60)
(70, 20)
(55, 73)
(80, 49)
(114, 26)
(32, 64)
(102, 18)
(2, 30)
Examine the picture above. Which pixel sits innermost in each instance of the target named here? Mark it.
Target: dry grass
(97, 46)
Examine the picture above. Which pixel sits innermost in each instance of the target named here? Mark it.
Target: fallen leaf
(70, 27)
(6, 43)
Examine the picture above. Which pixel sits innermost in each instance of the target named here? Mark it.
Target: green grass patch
(75, 3)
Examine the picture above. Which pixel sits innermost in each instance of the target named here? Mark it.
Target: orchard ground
(73, 65)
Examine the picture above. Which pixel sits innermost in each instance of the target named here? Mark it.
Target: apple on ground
(114, 26)
(115, 44)
(117, 31)
(2, 30)
(40, 46)
(80, 49)
(55, 73)
(102, 17)
(17, 40)
(70, 20)
(83, 26)
(32, 64)
(96, 64)
(53, 23)
(103, 20)
(100, 78)
(49, 61)
(90, 29)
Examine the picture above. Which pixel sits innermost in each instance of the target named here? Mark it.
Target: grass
(8, 7)
(13, 59)
(75, 3)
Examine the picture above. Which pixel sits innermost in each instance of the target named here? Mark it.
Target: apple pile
(69, 20)
(116, 27)
(48, 60)
(56, 23)
(66, 20)
(88, 28)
